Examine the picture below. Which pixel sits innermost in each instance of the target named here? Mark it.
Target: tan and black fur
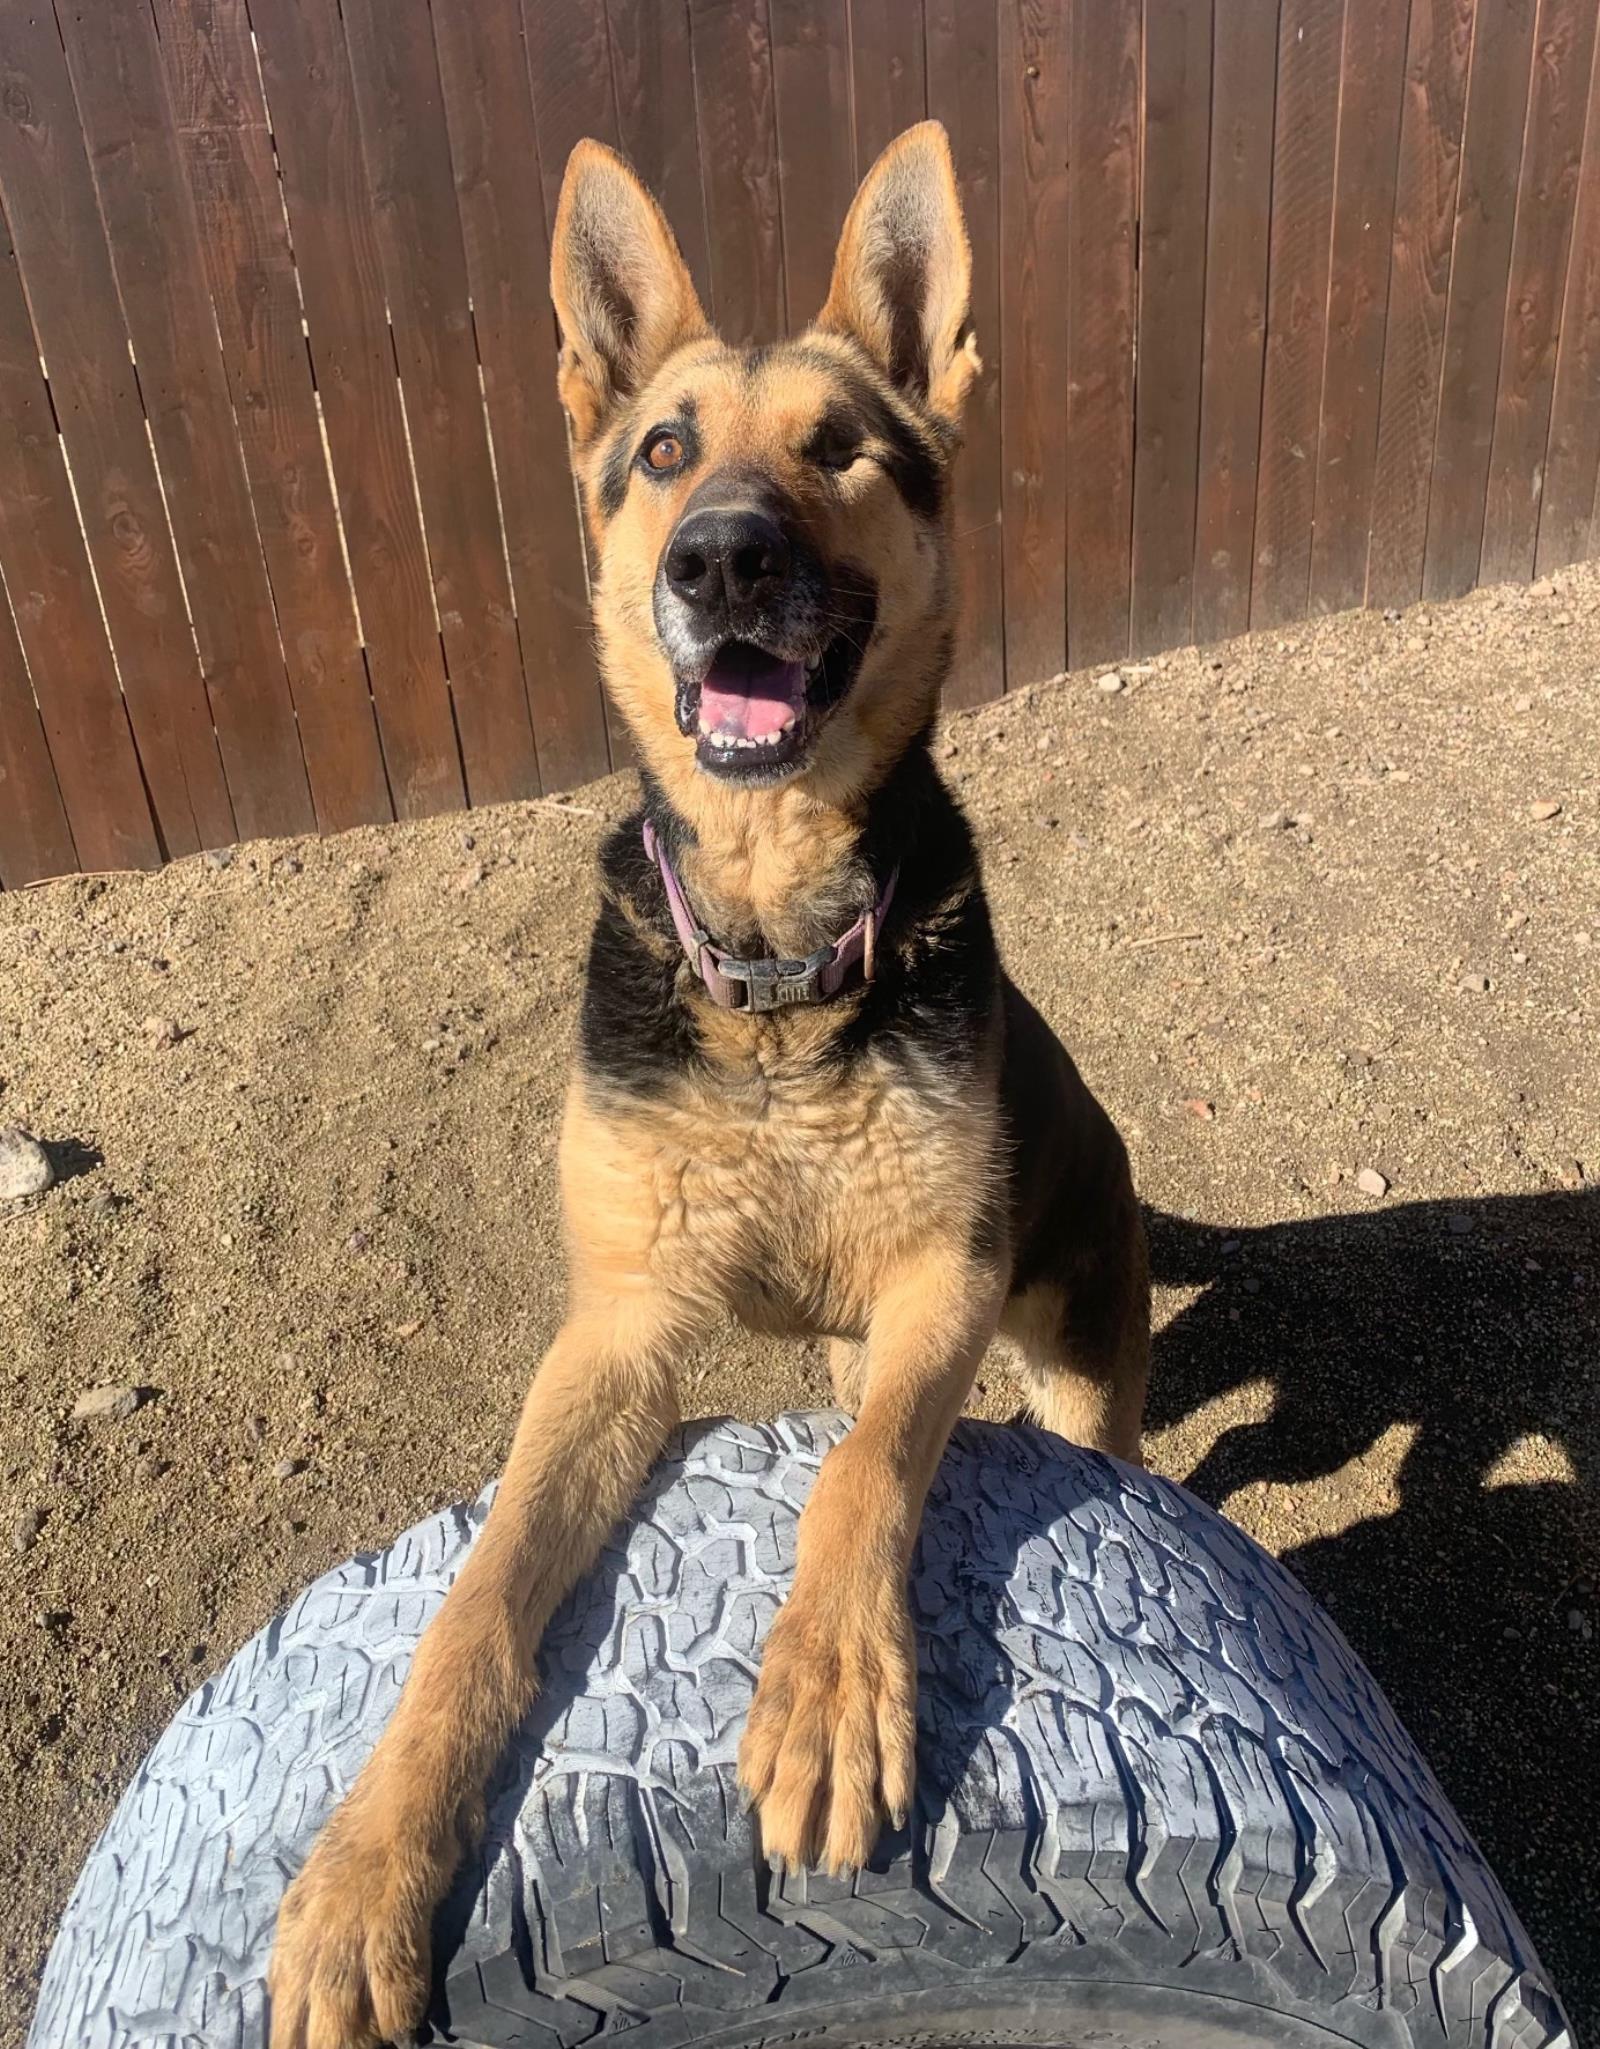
(906, 1168)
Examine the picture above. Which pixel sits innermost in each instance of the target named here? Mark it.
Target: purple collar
(770, 984)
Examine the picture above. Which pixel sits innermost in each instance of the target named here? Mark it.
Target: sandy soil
(1254, 888)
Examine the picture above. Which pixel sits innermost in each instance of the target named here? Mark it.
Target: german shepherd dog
(805, 1090)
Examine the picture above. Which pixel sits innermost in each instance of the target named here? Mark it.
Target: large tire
(1160, 1800)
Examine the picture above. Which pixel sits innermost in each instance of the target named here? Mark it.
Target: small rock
(1571, 1173)
(287, 1468)
(1371, 1182)
(430, 1045)
(288, 865)
(25, 1530)
(469, 878)
(1576, 1620)
(219, 858)
(358, 1241)
(468, 841)
(1273, 821)
(255, 1428)
(1523, 704)
(407, 1330)
(1111, 682)
(25, 1167)
(1197, 1106)
(1545, 809)
(1474, 985)
(1460, 1223)
(162, 1032)
(112, 1404)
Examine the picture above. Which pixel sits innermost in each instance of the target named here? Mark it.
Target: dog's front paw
(350, 1960)
(830, 1747)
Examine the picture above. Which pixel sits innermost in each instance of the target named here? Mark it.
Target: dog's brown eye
(665, 452)
(838, 455)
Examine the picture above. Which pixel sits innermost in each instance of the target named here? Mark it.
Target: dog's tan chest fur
(780, 1186)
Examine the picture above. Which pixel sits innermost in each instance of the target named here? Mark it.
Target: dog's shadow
(1461, 1340)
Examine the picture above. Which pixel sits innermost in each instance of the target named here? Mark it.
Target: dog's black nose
(726, 556)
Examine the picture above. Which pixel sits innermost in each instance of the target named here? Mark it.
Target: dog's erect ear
(903, 274)
(623, 293)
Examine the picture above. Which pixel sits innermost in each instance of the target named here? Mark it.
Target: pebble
(110, 1404)
(25, 1530)
(1273, 821)
(358, 1241)
(161, 1031)
(1371, 1182)
(1197, 1106)
(1523, 704)
(1111, 683)
(1546, 808)
(25, 1167)
(469, 878)
(1460, 1223)
(1571, 1172)
(287, 1468)
(1474, 985)
(219, 858)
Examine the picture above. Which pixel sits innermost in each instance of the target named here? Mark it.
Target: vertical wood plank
(154, 236)
(1572, 459)
(311, 105)
(739, 165)
(1034, 91)
(1439, 42)
(1564, 44)
(962, 45)
(811, 107)
(574, 96)
(494, 149)
(1172, 275)
(244, 246)
(1497, 104)
(35, 839)
(400, 107)
(52, 595)
(1103, 175)
(1371, 91)
(1238, 222)
(60, 242)
(888, 74)
(652, 68)
(1297, 304)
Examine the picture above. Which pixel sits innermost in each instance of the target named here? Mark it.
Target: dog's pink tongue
(751, 695)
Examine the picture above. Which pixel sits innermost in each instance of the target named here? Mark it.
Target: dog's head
(773, 590)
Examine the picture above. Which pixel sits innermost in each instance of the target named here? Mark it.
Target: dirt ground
(1289, 904)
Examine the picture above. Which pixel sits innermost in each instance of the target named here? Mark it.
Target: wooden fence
(1287, 305)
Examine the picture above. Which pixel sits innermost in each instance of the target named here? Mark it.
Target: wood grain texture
(1238, 226)
(739, 166)
(816, 153)
(311, 106)
(962, 46)
(154, 236)
(1564, 45)
(652, 70)
(493, 143)
(400, 105)
(1297, 306)
(1572, 457)
(54, 213)
(244, 248)
(1370, 97)
(1172, 281)
(1103, 197)
(1497, 104)
(35, 839)
(888, 72)
(1439, 44)
(574, 91)
(73, 678)
(1034, 79)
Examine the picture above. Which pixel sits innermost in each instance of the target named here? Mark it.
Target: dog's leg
(1084, 1336)
(847, 1365)
(350, 1967)
(831, 1740)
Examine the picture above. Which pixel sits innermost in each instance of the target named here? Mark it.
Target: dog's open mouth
(753, 713)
